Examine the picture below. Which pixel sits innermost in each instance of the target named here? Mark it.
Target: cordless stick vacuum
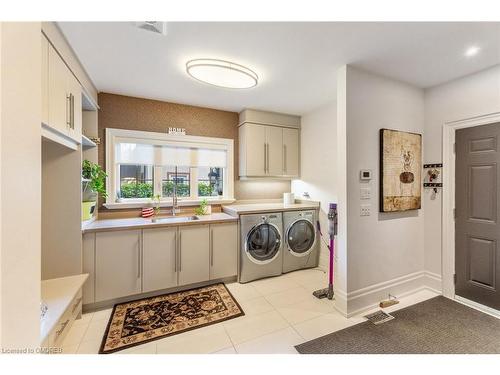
(332, 231)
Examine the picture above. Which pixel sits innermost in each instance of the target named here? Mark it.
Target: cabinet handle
(72, 113)
(180, 251)
(68, 105)
(265, 158)
(58, 333)
(76, 305)
(138, 260)
(284, 158)
(175, 252)
(212, 247)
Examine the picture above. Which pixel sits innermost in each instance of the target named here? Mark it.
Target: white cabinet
(268, 144)
(159, 264)
(290, 152)
(194, 250)
(123, 263)
(61, 98)
(268, 151)
(118, 270)
(45, 80)
(223, 250)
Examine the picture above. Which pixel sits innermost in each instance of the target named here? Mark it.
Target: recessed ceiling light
(472, 51)
(222, 73)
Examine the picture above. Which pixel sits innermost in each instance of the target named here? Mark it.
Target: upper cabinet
(268, 145)
(61, 99)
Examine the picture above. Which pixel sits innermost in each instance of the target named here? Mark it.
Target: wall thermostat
(365, 174)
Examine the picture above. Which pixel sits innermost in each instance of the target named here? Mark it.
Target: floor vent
(379, 317)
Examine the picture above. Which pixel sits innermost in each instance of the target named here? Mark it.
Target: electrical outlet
(365, 210)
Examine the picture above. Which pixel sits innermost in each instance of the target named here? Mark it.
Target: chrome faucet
(175, 203)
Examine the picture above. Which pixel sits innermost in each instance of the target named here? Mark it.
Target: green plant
(202, 210)
(156, 202)
(136, 190)
(205, 189)
(96, 176)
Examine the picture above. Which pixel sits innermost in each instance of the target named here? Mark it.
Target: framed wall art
(400, 170)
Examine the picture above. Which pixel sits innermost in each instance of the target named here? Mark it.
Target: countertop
(139, 222)
(57, 295)
(254, 208)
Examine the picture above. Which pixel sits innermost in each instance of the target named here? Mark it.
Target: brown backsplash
(125, 112)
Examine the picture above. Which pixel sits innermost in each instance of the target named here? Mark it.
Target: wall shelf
(87, 142)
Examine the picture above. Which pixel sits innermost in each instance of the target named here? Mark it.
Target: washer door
(263, 243)
(300, 237)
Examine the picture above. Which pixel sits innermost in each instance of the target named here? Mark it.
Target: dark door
(477, 231)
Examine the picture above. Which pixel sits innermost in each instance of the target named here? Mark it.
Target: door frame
(448, 198)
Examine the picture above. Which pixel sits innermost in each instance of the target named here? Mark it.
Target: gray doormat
(436, 326)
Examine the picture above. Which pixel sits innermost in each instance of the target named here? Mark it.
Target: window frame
(114, 136)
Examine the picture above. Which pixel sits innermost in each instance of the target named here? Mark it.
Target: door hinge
(454, 148)
(454, 213)
(455, 278)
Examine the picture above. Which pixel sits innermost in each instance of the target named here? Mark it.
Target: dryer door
(263, 243)
(300, 237)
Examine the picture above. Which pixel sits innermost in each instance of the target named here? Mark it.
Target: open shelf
(87, 142)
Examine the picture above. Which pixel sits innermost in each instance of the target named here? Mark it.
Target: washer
(261, 252)
(301, 248)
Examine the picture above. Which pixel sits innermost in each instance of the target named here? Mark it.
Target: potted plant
(93, 183)
(203, 209)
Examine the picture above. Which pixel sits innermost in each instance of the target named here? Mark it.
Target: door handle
(72, 112)
(267, 145)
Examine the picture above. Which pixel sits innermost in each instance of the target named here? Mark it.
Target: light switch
(365, 210)
(365, 193)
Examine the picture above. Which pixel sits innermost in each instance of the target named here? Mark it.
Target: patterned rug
(137, 322)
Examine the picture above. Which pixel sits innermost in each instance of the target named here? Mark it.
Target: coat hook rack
(433, 175)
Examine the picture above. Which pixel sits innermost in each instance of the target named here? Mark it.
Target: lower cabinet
(117, 264)
(194, 249)
(122, 263)
(223, 250)
(159, 254)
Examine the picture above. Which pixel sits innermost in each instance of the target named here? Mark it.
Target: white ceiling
(296, 62)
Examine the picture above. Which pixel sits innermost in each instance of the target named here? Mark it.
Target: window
(141, 165)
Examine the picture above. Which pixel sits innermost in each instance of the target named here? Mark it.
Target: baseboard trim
(369, 297)
(478, 306)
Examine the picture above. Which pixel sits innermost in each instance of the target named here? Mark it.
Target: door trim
(448, 200)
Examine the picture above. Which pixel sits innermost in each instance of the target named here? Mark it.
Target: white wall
(20, 165)
(474, 95)
(384, 250)
(318, 164)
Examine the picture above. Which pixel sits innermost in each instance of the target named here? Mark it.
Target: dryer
(302, 243)
(261, 253)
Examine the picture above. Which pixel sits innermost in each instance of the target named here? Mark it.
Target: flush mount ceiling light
(472, 51)
(222, 73)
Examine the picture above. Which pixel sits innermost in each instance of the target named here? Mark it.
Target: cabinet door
(255, 141)
(159, 262)
(118, 264)
(88, 250)
(193, 257)
(75, 108)
(274, 140)
(223, 250)
(45, 80)
(58, 93)
(291, 152)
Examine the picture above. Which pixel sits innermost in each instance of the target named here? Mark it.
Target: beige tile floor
(280, 313)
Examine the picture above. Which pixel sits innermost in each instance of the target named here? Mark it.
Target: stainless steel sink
(175, 219)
